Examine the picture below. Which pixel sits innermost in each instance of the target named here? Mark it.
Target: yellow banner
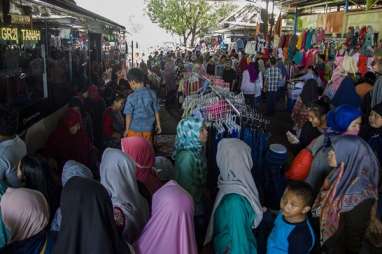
(19, 35)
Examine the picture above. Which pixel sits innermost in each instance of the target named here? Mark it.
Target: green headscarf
(190, 162)
(3, 231)
(188, 135)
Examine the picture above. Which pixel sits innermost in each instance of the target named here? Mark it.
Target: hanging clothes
(299, 41)
(308, 42)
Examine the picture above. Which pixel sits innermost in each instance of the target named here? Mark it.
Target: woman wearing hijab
(312, 129)
(310, 93)
(95, 105)
(77, 104)
(70, 142)
(191, 165)
(71, 169)
(252, 84)
(142, 152)
(372, 98)
(170, 229)
(87, 220)
(237, 208)
(345, 92)
(345, 202)
(373, 136)
(25, 214)
(35, 173)
(344, 120)
(113, 123)
(131, 210)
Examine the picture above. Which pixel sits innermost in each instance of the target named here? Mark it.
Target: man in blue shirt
(141, 108)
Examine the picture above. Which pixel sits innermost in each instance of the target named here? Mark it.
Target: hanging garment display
(250, 48)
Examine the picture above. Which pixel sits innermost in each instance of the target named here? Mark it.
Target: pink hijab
(170, 229)
(25, 213)
(142, 152)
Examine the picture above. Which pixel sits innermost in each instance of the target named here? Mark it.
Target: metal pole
(346, 5)
(132, 54)
(295, 22)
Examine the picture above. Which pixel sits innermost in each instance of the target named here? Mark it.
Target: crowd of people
(98, 187)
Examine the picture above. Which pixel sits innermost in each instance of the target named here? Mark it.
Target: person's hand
(292, 138)
(375, 226)
(125, 134)
(159, 129)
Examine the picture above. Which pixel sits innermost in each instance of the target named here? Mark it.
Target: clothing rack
(221, 104)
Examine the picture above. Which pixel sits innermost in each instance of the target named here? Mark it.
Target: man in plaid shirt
(273, 76)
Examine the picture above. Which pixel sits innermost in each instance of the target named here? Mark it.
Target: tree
(189, 19)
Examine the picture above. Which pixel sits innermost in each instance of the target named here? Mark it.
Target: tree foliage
(187, 18)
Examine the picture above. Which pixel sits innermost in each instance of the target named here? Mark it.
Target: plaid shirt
(273, 76)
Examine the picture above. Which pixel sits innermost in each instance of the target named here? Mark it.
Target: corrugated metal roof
(72, 6)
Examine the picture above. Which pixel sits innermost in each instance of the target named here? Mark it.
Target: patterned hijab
(188, 139)
(187, 135)
(346, 187)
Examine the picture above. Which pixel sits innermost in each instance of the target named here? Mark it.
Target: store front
(48, 50)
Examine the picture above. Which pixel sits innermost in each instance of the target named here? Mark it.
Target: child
(113, 123)
(141, 108)
(292, 232)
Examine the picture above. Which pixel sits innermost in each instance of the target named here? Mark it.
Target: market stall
(47, 52)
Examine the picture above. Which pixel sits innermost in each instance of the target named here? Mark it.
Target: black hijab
(87, 220)
(311, 92)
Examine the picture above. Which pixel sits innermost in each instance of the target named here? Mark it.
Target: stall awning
(71, 6)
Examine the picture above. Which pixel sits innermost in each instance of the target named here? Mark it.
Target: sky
(131, 14)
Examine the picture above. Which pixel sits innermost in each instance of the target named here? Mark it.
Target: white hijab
(235, 163)
(117, 172)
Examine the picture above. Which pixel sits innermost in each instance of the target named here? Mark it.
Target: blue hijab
(346, 94)
(339, 119)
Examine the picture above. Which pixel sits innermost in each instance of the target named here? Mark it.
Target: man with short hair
(273, 77)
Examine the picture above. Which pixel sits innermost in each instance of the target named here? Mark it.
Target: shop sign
(30, 35)
(9, 34)
(17, 35)
(20, 19)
